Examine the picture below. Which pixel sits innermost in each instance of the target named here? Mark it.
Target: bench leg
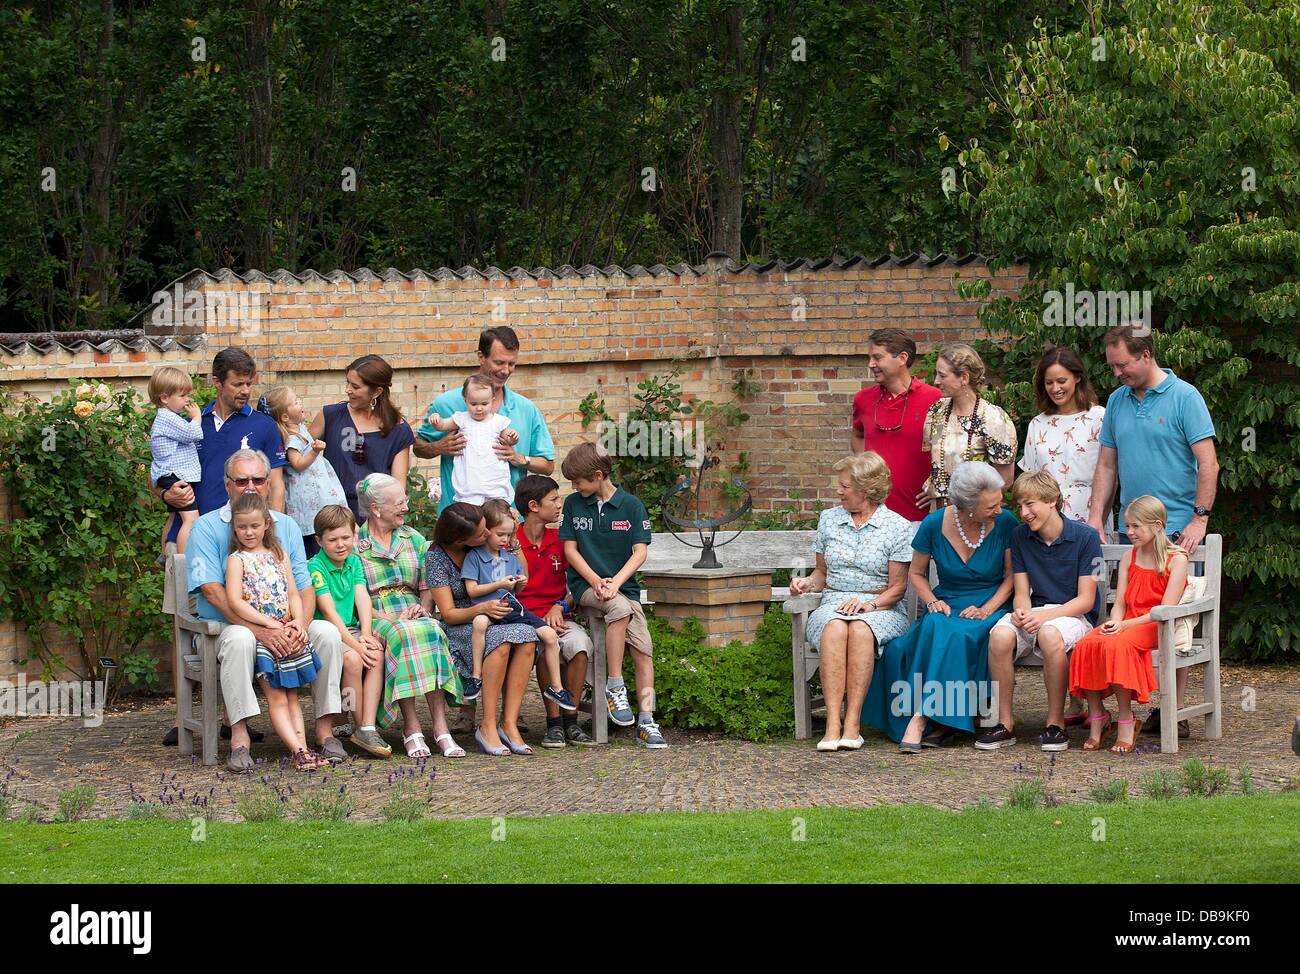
(211, 701)
(184, 692)
(1168, 701)
(802, 695)
(600, 666)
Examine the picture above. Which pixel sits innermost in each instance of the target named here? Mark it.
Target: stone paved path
(43, 756)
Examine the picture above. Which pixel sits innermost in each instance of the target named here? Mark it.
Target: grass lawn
(1225, 839)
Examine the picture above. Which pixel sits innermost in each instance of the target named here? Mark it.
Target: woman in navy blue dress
(365, 434)
(931, 681)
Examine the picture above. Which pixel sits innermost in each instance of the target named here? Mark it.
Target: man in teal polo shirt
(1159, 435)
(498, 353)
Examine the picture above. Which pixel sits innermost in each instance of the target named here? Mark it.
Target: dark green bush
(741, 689)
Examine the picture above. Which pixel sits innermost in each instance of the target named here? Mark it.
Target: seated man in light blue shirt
(498, 353)
(1159, 435)
(205, 560)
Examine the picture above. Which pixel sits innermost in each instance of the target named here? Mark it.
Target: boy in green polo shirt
(343, 599)
(606, 532)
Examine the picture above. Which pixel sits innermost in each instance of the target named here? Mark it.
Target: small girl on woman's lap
(262, 592)
(1116, 656)
(493, 572)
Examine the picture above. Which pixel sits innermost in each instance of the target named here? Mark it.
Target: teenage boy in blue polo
(1055, 563)
(606, 533)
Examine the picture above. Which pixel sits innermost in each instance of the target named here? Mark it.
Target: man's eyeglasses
(902, 416)
(245, 481)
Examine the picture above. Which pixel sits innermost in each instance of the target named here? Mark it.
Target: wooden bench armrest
(204, 627)
(1161, 613)
(801, 604)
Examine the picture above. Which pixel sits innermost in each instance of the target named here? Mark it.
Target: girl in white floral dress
(1064, 439)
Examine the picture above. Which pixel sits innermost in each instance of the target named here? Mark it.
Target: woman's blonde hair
(1148, 510)
(277, 402)
(964, 360)
(869, 473)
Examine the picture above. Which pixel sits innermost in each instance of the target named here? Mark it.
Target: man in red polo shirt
(546, 594)
(888, 418)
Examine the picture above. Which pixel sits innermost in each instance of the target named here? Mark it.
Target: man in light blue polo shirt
(498, 353)
(249, 471)
(1159, 434)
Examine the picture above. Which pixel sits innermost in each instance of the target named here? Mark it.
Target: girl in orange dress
(1116, 656)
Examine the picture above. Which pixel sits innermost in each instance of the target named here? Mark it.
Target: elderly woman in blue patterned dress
(863, 551)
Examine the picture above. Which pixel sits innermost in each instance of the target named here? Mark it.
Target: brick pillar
(729, 603)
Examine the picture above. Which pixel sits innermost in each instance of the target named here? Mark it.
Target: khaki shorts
(1028, 652)
(621, 607)
(574, 641)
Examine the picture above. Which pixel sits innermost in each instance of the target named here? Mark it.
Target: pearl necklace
(984, 528)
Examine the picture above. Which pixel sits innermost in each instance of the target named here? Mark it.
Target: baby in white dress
(478, 473)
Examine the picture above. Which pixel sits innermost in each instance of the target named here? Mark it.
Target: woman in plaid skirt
(418, 660)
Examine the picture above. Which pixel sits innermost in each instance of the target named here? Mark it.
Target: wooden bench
(1206, 560)
(194, 666)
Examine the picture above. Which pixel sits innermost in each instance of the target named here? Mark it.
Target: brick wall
(797, 329)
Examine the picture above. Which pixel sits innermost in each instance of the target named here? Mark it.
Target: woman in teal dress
(931, 681)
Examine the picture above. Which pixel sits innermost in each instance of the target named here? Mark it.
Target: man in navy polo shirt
(231, 423)
(1056, 564)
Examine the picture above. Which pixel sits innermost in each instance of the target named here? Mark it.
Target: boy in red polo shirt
(546, 594)
(888, 419)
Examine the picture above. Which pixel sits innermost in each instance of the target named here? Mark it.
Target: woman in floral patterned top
(1063, 439)
(961, 426)
(392, 554)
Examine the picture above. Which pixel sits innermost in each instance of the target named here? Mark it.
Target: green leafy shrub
(1246, 779)
(741, 689)
(422, 510)
(407, 801)
(325, 804)
(1111, 791)
(1202, 781)
(1026, 794)
(78, 558)
(261, 806)
(74, 803)
(1161, 785)
(141, 810)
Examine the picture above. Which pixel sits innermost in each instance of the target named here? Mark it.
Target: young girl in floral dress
(262, 592)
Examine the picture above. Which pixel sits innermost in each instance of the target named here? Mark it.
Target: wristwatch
(527, 460)
(1201, 511)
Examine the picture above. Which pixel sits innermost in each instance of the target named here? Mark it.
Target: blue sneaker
(561, 698)
(619, 712)
(649, 736)
(470, 688)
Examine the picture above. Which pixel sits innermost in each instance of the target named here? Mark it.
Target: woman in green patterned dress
(392, 554)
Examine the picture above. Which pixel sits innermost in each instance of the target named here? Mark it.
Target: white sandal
(415, 752)
(453, 750)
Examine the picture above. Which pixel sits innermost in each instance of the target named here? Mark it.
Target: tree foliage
(1170, 165)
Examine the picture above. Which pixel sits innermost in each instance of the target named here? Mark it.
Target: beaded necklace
(942, 479)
